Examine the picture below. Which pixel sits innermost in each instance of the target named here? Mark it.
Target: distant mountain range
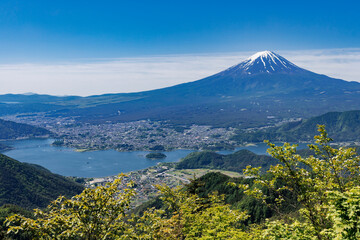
(263, 89)
(31, 186)
(341, 126)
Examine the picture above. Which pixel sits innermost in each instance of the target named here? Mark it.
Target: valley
(68, 162)
(265, 97)
(263, 90)
(179, 120)
(130, 136)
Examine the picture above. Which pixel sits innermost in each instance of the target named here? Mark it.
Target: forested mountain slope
(13, 130)
(341, 126)
(31, 186)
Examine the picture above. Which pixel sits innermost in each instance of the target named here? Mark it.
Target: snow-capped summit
(264, 62)
(264, 54)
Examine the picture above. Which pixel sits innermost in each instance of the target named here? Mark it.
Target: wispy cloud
(138, 74)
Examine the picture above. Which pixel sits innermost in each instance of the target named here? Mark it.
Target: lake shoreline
(68, 162)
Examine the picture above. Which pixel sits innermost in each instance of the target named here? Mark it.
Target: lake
(67, 162)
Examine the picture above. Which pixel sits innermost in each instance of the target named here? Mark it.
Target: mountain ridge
(233, 97)
(342, 126)
(12, 130)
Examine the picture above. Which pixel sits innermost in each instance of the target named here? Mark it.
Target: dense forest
(13, 130)
(342, 126)
(234, 196)
(31, 186)
(232, 162)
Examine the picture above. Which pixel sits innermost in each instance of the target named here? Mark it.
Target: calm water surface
(67, 162)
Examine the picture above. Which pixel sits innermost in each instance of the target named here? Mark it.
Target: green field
(191, 173)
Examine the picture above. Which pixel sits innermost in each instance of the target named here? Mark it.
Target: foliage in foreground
(326, 187)
(102, 213)
(190, 217)
(94, 214)
(8, 210)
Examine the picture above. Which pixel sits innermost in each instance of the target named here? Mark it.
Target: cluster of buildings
(129, 136)
(145, 181)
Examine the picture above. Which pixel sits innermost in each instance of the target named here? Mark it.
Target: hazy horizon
(123, 75)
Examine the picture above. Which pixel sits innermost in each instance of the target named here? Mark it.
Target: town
(145, 180)
(129, 136)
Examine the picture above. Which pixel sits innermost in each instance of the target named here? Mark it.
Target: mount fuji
(265, 88)
(264, 62)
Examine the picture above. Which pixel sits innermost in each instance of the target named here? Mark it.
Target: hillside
(220, 183)
(341, 126)
(3, 147)
(13, 130)
(31, 186)
(232, 162)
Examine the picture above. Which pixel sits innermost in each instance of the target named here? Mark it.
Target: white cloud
(139, 74)
(336, 63)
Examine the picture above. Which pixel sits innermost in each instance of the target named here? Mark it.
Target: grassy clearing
(190, 173)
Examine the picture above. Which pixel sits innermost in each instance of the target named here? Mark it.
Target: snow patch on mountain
(264, 62)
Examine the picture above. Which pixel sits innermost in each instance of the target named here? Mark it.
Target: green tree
(189, 217)
(102, 213)
(311, 180)
(345, 212)
(94, 214)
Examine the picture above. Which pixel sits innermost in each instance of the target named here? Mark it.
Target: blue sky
(93, 47)
(37, 31)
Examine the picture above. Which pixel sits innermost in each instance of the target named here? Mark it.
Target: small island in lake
(58, 143)
(155, 156)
